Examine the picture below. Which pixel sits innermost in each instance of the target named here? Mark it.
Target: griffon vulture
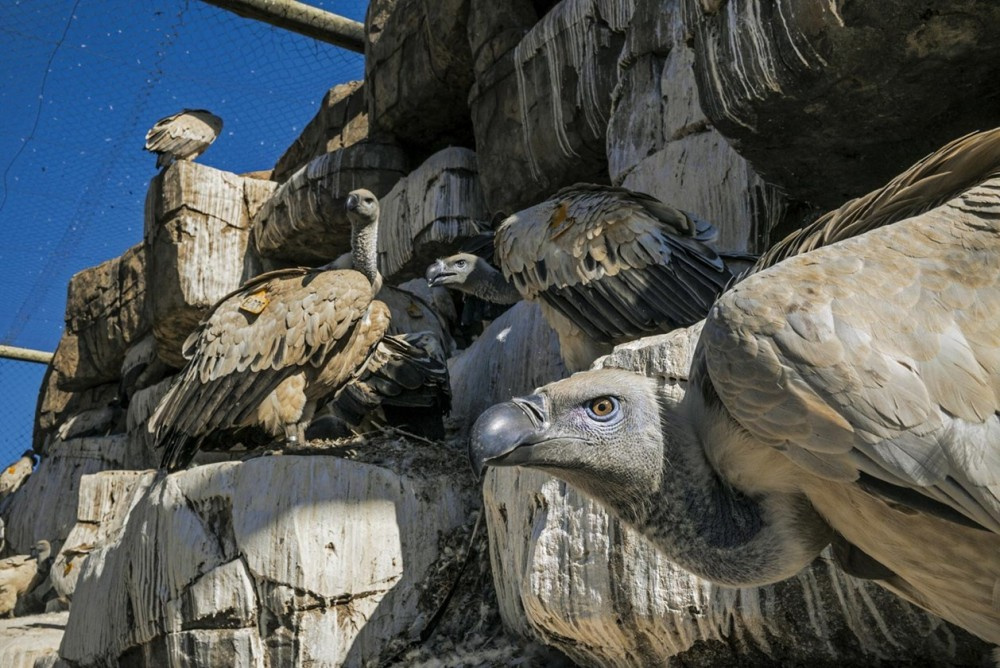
(22, 573)
(269, 351)
(609, 265)
(486, 293)
(16, 473)
(847, 394)
(182, 136)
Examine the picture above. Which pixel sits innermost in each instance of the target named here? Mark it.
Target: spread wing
(617, 263)
(877, 359)
(185, 134)
(937, 178)
(276, 325)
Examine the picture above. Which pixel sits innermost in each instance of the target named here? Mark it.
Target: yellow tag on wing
(255, 303)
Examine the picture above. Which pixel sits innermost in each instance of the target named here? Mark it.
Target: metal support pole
(25, 354)
(301, 18)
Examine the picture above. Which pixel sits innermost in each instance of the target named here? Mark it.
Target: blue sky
(81, 84)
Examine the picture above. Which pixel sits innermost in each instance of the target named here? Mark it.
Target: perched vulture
(487, 294)
(182, 136)
(268, 352)
(847, 394)
(14, 475)
(609, 265)
(22, 573)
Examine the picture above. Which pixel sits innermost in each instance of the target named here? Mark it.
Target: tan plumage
(851, 389)
(14, 475)
(609, 265)
(20, 574)
(183, 136)
(268, 352)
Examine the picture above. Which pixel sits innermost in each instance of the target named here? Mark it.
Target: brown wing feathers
(616, 263)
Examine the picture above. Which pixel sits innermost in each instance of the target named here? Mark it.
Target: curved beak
(434, 272)
(352, 202)
(500, 433)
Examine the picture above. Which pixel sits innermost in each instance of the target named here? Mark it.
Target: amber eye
(603, 408)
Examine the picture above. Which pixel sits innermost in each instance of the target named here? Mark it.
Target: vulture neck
(711, 528)
(364, 253)
(490, 285)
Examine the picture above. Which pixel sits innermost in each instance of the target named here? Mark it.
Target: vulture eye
(461, 264)
(603, 408)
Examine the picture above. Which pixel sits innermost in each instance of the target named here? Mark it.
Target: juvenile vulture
(22, 573)
(847, 394)
(286, 339)
(182, 136)
(609, 265)
(16, 473)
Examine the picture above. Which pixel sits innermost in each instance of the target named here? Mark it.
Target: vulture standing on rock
(847, 394)
(609, 265)
(14, 475)
(182, 136)
(283, 341)
(22, 573)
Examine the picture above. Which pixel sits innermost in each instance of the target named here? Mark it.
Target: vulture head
(615, 436)
(362, 207)
(456, 271)
(363, 212)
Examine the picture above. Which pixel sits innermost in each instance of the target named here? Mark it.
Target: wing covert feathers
(616, 263)
(878, 355)
(323, 324)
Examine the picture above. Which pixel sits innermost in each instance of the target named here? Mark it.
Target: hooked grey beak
(352, 202)
(433, 271)
(501, 430)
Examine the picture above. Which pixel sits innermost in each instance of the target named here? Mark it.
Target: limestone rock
(32, 642)
(418, 70)
(429, 212)
(541, 111)
(342, 120)
(56, 406)
(105, 500)
(515, 354)
(286, 560)
(305, 221)
(660, 142)
(197, 231)
(571, 576)
(106, 311)
(831, 100)
(45, 507)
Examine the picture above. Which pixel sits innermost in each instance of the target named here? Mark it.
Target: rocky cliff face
(752, 115)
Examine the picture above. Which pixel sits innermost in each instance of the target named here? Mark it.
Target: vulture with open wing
(183, 136)
(609, 265)
(268, 352)
(848, 393)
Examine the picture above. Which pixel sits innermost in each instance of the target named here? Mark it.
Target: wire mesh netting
(83, 81)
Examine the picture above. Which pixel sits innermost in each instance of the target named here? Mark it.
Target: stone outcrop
(829, 101)
(541, 110)
(197, 232)
(341, 563)
(106, 311)
(57, 406)
(45, 507)
(430, 212)
(418, 70)
(515, 354)
(305, 221)
(342, 120)
(660, 142)
(32, 642)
